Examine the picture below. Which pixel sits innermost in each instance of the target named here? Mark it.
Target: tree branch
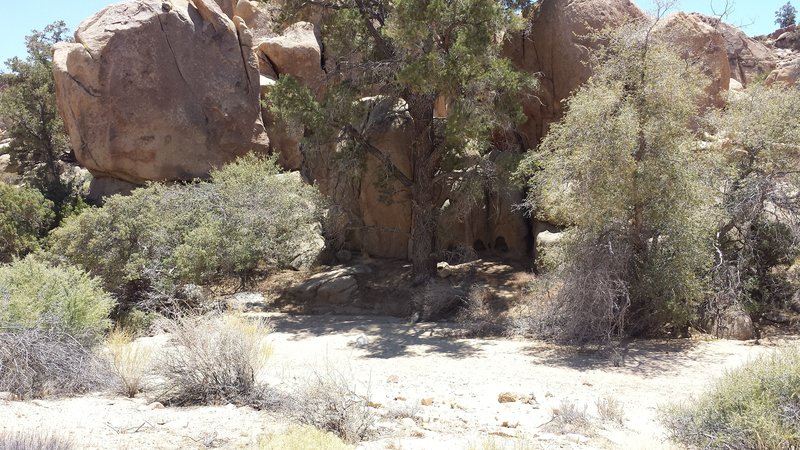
(377, 153)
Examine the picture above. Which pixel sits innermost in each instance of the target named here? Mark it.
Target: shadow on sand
(388, 337)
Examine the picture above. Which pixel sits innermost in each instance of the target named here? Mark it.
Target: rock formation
(556, 47)
(156, 90)
(749, 59)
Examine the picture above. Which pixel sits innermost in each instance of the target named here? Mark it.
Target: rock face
(748, 59)
(556, 48)
(787, 72)
(702, 43)
(156, 90)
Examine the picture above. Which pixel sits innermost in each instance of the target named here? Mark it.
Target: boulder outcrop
(556, 47)
(154, 90)
(748, 59)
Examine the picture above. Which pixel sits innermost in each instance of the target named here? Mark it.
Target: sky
(18, 18)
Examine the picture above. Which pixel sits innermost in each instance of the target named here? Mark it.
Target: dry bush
(215, 359)
(436, 301)
(33, 441)
(477, 315)
(496, 443)
(303, 438)
(610, 409)
(330, 402)
(36, 363)
(130, 361)
(587, 301)
(570, 418)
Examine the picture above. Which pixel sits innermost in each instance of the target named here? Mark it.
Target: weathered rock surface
(749, 59)
(787, 72)
(700, 42)
(556, 47)
(156, 90)
(731, 323)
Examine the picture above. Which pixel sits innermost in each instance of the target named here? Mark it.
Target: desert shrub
(30, 440)
(130, 361)
(214, 359)
(25, 216)
(756, 406)
(330, 403)
(37, 363)
(569, 417)
(303, 438)
(610, 409)
(147, 245)
(34, 294)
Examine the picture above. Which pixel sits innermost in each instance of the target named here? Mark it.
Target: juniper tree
(786, 15)
(415, 52)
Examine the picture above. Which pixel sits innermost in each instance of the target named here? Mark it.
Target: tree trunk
(425, 158)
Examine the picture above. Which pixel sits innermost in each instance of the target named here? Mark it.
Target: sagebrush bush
(34, 294)
(39, 363)
(148, 244)
(329, 401)
(131, 361)
(756, 406)
(33, 440)
(214, 359)
(303, 438)
(25, 216)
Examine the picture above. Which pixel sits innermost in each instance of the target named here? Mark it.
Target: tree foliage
(25, 217)
(28, 107)
(623, 171)
(412, 52)
(786, 15)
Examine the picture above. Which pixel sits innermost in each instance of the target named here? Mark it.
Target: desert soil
(450, 385)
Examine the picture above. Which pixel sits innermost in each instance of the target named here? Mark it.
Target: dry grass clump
(754, 407)
(33, 441)
(303, 438)
(610, 409)
(37, 363)
(330, 402)
(496, 443)
(215, 359)
(131, 361)
(569, 417)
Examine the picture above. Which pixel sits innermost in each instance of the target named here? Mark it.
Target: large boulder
(154, 90)
(556, 47)
(701, 43)
(787, 72)
(749, 59)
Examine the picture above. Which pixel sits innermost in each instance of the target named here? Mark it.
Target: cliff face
(166, 90)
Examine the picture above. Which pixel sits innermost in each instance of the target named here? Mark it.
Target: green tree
(25, 216)
(413, 52)
(28, 107)
(761, 229)
(623, 171)
(786, 15)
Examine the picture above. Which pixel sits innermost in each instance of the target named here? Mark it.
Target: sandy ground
(403, 366)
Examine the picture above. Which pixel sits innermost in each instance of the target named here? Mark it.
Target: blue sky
(18, 18)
